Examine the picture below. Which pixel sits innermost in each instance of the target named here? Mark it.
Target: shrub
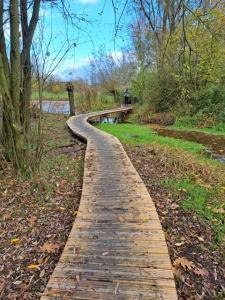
(211, 102)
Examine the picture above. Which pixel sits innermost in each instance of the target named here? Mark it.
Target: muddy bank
(216, 144)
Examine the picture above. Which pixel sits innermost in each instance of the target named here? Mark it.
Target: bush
(164, 119)
(211, 102)
(158, 92)
(198, 120)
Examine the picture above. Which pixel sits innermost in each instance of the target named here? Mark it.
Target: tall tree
(22, 17)
(15, 76)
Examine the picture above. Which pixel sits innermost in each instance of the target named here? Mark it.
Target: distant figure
(126, 97)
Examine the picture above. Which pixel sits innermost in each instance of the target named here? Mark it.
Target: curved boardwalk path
(116, 248)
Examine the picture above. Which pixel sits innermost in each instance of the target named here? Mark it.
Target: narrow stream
(214, 143)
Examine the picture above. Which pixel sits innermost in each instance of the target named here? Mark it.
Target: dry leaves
(183, 262)
(15, 241)
(201, 272)
(200, 238)
(179, 244)
(50, 247)
(33, 266)
(174, 206)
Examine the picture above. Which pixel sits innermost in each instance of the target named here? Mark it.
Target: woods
(180, 49)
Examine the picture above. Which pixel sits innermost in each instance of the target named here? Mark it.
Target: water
(55, 107)
(107, 120)
(215, 144)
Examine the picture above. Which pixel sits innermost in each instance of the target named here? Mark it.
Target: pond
(55, 107)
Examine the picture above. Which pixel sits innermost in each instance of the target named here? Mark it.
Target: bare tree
(15, 71)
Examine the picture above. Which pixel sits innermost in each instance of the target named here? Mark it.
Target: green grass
(188, 123)
(50, 96)
(201, 200)
(138, 134)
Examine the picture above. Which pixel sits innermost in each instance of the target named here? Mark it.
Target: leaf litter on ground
(198, 262)
(31, 210)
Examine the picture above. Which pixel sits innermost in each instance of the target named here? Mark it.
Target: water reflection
(55, 107)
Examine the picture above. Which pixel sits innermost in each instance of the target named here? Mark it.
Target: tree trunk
(71, 101)
(25, 97)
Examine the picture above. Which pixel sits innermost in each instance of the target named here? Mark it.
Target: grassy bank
(138, 134)
(50, 96)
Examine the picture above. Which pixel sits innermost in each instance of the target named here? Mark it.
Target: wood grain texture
(116, 248)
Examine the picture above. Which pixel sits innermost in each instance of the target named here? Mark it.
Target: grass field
(138, 134)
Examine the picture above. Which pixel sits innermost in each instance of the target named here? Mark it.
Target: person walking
(126, 97)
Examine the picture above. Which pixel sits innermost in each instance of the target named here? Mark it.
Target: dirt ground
(36, 214)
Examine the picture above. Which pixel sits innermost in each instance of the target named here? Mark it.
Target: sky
(91, 35)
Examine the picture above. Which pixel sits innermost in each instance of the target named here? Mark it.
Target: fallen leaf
(179, 244)
(201, 272)
(32, 266)
(184, 262)
(6, 217)
(2, 286)
(50, 247)
(15, 241)
(78, 278)
(17, 282)
(200, 238)
(42, 274)
(174, 206)
(105, 253)
(32, 221)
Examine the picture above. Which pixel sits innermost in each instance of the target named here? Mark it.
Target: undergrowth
(205, 201)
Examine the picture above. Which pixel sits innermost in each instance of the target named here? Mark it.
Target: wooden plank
(116, 248)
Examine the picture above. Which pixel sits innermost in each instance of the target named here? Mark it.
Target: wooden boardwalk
(116, 248)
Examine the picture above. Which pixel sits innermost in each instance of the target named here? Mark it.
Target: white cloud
(116, 55)
(72, 63)
(88, 1)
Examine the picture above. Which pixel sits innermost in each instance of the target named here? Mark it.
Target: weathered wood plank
(116, 248)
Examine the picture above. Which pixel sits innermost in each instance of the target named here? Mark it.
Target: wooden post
(69, 88)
